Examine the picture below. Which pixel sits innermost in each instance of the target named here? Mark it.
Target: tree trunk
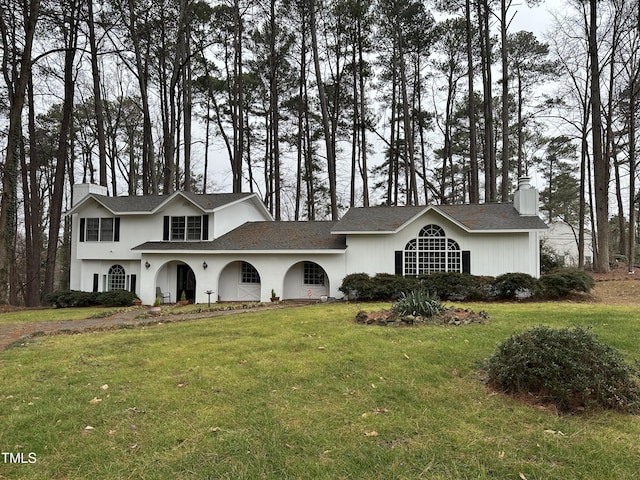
(600, 163)
(55, 209)
(16, 80)
(328, 140)
(97, 97)
(505, 187)
(474, 184)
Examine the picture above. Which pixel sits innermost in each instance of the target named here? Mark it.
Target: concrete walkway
(12, 333)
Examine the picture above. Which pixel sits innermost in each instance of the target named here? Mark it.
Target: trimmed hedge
(76, 298)
(462, 286)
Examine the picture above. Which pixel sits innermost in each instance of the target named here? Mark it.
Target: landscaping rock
(451, 316)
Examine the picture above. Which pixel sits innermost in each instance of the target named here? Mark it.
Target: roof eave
(321, 251)
(84, 200)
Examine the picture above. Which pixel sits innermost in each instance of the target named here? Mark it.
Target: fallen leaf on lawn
(214, 429)
(380, 410)
(501, 455)
(372, 433)
(95, 400)
(288, 446)
(553, 432)
(406, 356)
(182, 384)
(365, 415)
(373, 385)
(522, 476)
(104, 387)
(88, 428)
(111, 432)
(133, 447)
(321, 348)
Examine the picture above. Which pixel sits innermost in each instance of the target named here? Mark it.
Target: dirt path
(15, 333)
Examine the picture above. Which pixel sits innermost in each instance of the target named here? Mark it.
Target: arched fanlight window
(116, 280)
(431, 252)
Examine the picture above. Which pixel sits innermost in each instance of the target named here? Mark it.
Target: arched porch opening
(173, 278)
(306, 280)
(239, 281)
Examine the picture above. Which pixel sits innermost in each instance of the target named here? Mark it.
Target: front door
(186, 282)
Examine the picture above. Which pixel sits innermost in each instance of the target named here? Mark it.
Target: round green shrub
(570, 368)
(388, 286)
(357, 286)
(562, 282)
(452, 285)
(509, 285)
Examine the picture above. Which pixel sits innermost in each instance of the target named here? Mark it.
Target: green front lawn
(302, 393)
(29, 315)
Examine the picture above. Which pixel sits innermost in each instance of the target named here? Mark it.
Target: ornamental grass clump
(570, 368)
(418, 303)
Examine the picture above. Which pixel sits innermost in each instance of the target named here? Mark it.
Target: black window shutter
(116, 229)
(133, 282)
(466, 261)
(82, 222)
(398, 270)
(205, 227)
(95, 282)
(165, 230)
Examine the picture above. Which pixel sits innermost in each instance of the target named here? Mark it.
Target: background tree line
(316, 105)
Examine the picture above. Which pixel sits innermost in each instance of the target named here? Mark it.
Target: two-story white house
(230, 245)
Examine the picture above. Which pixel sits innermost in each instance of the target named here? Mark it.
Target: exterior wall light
(147, 264)
(204, 265)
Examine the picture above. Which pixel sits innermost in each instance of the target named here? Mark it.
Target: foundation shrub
(383, 286)
(357, 286)
(453, 285)
(387, 286)
(76, 298)
(117, 298)
(570, 368)
(561, 283)
(510, 285)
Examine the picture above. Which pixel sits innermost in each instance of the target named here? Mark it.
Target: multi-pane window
(116, 280)
(106, 229)
(431, 252)
(194, 228)
(313, 274)
(249, 274)
(93, 229)
(186, 228)
(177, 228)
(99, 230)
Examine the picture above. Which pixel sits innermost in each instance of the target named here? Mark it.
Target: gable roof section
(485, 217)
(264, 236)
(151, 203)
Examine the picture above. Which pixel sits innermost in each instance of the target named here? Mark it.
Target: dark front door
(186, 283)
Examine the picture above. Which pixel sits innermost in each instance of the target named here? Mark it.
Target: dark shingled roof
(376, 219)
(474, 217)
(491, 216)
(264, 236)
(148, 203)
